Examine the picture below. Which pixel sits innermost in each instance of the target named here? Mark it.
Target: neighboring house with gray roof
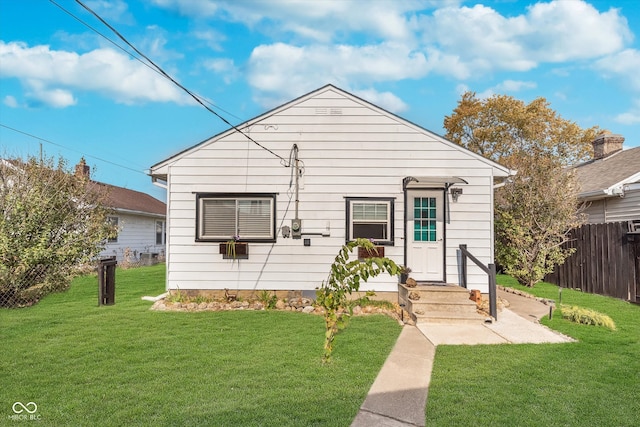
(610, 183)
(141, 221)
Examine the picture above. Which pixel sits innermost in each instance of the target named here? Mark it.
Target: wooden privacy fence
(605, 261)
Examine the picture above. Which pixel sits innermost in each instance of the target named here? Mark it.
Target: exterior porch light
(455, 193)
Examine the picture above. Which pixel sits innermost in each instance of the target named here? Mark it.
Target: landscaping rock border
(302, 305)
(545, 301)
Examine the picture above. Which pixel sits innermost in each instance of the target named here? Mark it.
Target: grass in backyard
(126, 365)
(594, 382)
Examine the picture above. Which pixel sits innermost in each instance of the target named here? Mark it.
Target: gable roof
(131, 201)
(604, 177)
(118, 198)
(159, 170)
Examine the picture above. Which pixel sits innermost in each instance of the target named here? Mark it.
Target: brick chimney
(82, 170)
(606, 144)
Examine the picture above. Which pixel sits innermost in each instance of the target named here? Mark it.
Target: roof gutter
(505, 180)
(134, 212)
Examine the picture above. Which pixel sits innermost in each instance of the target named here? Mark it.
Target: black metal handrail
(490, 269)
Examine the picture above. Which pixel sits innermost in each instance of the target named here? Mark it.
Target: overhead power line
(134, 56)
(71, 149)
(179, 85)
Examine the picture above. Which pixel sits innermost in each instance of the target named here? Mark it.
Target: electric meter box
(296, 228)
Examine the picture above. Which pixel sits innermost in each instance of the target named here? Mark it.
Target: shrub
(51, 222)
(586, 316)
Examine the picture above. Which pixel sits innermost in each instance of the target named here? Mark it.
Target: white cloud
(568, 30)
(50, 76)
(39, 93)
(224, 67)
(506, 87)
(153, 45)
(624, 64)
(212, 38)
(557, 31)
(316, 20)
(386, 100)
(405, 39)
(515, 86)
(631, 117)
(194, 8)
(287, 71)
(479, 35)
(111, 10)
(10, 101)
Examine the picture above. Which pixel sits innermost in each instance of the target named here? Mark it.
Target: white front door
(425, 234)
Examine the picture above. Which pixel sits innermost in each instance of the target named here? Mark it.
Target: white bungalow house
(297, 182)
(140, 219)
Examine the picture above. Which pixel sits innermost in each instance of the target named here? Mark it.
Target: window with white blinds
(223, 218)
(370, 218)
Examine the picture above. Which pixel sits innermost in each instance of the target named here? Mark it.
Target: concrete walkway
(398, 396)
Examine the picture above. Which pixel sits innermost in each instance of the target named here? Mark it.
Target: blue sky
(64, 83)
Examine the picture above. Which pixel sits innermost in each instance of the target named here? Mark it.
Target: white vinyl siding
(625, 208)
(614, 209)
(595, 212)
(238, 218)
(137, 234)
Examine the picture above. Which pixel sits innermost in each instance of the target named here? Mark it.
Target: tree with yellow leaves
(536, 209)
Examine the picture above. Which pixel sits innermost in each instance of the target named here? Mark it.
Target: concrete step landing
(440, 304)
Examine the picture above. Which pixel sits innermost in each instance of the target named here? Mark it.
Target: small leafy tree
(344, 278)
(50, 223)
(534, 214)
(536, 209)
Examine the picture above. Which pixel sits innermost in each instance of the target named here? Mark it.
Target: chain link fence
(25, 287)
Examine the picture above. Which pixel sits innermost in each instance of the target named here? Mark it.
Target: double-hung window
(246, 217)
(161, 233)
(370, 218)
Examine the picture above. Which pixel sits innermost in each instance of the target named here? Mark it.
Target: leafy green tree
(536, 209)
(51, 222)
(345, 277)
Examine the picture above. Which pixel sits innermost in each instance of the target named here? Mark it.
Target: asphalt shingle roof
(123, 198)
(601, 174)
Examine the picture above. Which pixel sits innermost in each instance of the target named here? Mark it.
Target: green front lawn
(126, 365)
(593, 382)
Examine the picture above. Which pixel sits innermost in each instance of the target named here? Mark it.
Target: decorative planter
(377, 253)
(404, 277)
(240, 250)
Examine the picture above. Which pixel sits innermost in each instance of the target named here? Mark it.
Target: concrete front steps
(448, 304)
